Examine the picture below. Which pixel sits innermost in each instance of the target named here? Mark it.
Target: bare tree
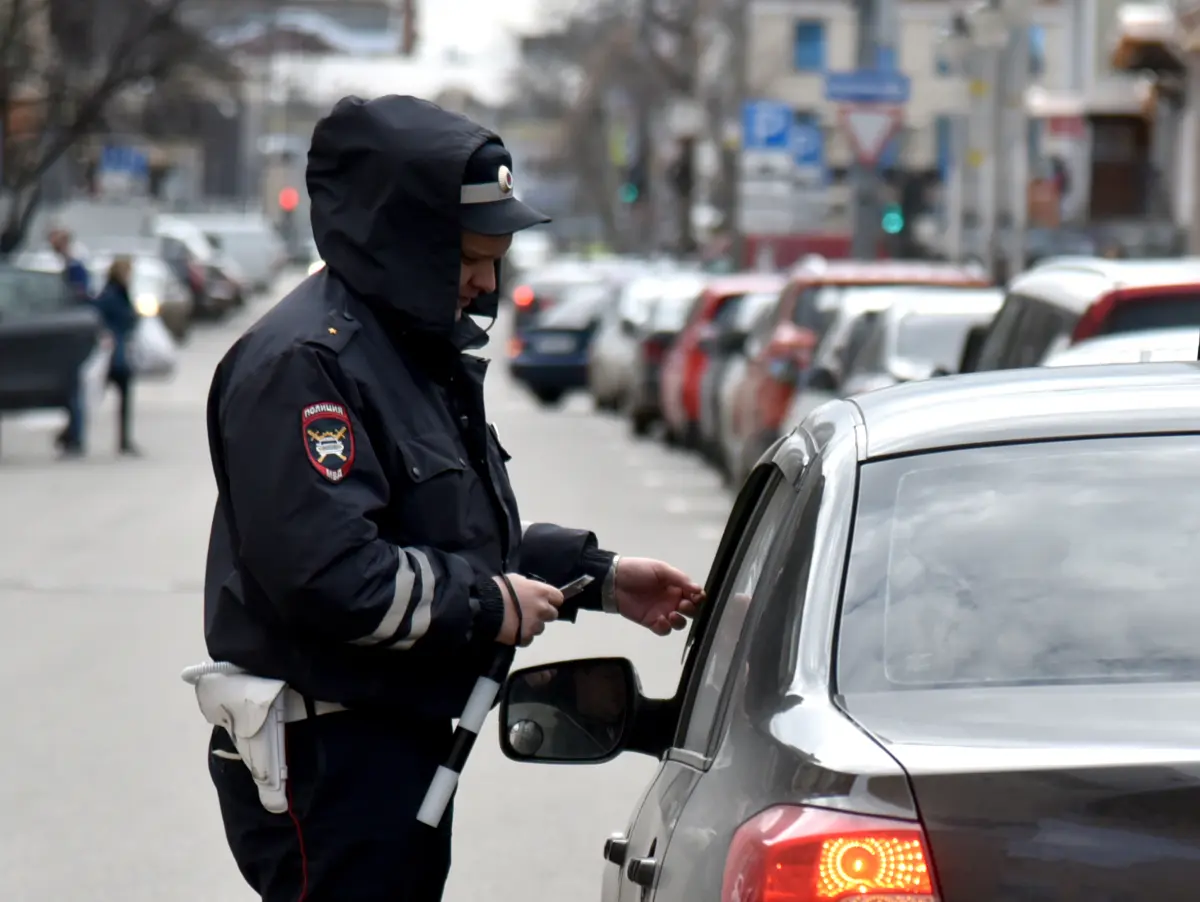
(63, 63)
(572, 75)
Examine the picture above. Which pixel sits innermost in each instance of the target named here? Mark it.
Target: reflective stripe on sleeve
(403, 599)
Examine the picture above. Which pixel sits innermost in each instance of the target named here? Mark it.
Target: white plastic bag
(152, 353)
(93, 375)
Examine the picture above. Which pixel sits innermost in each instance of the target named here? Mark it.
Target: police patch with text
(328, 439)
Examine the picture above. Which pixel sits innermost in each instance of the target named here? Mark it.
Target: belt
(297, 707)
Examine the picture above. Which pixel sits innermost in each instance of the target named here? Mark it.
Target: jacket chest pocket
(431, 502)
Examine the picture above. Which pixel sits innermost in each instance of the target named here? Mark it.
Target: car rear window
(25, 292)
(578, 305)
(936, 339)
(1153, 311)
(1057, 562)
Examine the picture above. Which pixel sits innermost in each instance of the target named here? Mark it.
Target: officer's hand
(539, 605)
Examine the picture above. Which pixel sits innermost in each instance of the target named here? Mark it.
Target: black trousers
(123, 380)
(355, 783)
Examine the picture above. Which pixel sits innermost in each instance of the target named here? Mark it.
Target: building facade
(793, 43)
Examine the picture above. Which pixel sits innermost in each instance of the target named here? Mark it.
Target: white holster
(253, 711)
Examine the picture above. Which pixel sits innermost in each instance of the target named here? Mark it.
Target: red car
(806, 308)
(683, 369)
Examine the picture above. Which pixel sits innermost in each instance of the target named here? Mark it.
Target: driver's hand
(538, 678)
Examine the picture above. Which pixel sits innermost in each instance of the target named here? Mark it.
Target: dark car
(666, 316)
(550, 356)
(546, 289)
(951, 652)
(46, 335)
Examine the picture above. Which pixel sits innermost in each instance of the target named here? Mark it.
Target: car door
(45, 337)
(638, 858)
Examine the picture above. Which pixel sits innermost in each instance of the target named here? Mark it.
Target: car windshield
(934, 339)
(752, 308)
(25, 292)
(1153, 311)
(1068, 561)
(577, 306)
(670, 313)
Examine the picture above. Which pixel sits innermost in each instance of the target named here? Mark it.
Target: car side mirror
(579, 712)
(822, 379)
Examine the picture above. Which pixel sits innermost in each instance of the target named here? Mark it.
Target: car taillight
(523, 296)
(653, 350)
(515, 346)
(195, 275)
(793, 854)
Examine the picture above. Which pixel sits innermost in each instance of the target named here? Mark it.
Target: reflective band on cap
(484, 194)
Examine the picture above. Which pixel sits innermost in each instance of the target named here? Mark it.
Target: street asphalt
(104, 791)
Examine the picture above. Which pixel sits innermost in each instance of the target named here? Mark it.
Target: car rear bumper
(550, 374)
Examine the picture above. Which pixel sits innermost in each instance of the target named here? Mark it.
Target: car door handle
(642, 870)
(615, 848)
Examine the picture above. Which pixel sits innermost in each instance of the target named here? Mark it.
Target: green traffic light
(893, 221)
(629, 193)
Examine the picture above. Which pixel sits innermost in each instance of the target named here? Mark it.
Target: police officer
(366, 546)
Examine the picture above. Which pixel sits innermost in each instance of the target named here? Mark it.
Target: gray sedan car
(952, 652)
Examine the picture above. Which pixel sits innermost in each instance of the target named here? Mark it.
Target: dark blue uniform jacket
(363, 499)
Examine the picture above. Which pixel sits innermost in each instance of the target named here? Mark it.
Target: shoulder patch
(328, 439)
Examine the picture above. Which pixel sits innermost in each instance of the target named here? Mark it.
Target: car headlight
(147, 305)
(316, 266)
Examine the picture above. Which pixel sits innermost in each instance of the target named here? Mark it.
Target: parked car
(1179, 343)
(190, 255)
(807, 307)
(726, 349)
(683, 370)
(949, 652)
(249, 240)
(658, 330)
(1060, 303)
(550, 357)
(885, 336)
(729, 427)
(46, 335)
(154, 290)
(548, 287)
(617, 342)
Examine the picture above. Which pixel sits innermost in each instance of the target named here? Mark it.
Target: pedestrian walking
(120, 320)
(70, 441)
(366, 548)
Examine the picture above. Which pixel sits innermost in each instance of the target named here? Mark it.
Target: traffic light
(289, 199)
(893, 219)
(633, 186)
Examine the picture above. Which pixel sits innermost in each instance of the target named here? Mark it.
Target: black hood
(385, 180)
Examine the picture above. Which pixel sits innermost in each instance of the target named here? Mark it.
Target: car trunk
(1041, 793)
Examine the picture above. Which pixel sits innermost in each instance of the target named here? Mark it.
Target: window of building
(808, 51)
(1037, 50)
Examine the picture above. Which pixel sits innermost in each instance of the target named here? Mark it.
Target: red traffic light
(289, 199)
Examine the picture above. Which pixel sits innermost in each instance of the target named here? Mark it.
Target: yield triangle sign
(869, 129)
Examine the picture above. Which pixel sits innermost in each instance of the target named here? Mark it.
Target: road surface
(104, 792)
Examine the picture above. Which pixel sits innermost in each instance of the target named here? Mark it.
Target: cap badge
(504, 179)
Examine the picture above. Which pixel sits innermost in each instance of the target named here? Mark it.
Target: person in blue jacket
(71, 440)
(120, 319)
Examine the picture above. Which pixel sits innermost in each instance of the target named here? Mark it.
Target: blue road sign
(766, 125)
(867, 86)
(116, 158)
(808, 145)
